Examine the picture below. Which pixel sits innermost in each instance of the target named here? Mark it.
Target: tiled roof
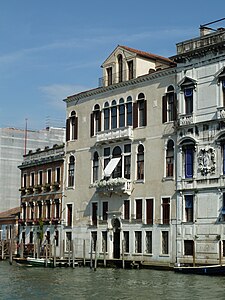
(10, 213)
(148, 55)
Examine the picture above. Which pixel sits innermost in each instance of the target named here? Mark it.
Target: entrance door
(116, 238)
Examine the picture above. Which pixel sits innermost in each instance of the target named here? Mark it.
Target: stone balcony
(118, 186)
(115, 134)
(186, 120)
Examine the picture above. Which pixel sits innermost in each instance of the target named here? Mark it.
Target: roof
(148, 55)
(13, 212)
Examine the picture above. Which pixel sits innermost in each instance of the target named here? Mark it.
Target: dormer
(126, 63)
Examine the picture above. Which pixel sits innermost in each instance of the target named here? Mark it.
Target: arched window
(120, 68)
(72, 127)
(113, 115)
(140, 162)
(170, 159)
(118, 169)
(169, 105)
(140, 111)
(188, 150)
(71, 169)
(95, 166)
(129, 106)
(106, 116)
(187, 85)
(121, 113)
(95, 120)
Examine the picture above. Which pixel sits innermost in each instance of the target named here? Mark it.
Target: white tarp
(111, 166)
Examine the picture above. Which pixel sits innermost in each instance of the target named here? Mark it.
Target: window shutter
(67, 130)
(189, 163)
(76, 128)
(135, 115)
(175, 107)
(145, 113)
(92, 125)
(149, 211)
(99, 121)
(164, 109)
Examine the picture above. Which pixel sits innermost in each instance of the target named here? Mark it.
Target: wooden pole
(104, 245)
(73, 254)
(91, 254)
(95, 268)
(123, 262)
(3, 245)
(84, 254)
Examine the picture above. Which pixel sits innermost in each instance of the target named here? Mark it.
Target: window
(223, 91)
(148, 241)
(106, 156)
(165, 210)
(39, 210)
(188, 96)
(25, 180)
(48, 237)
(106, 116)
(104, 210)
(117, 173)
(126, 209)
(71, 169)
(189, 161)
(169, 112)
(31, 210)
(95, 166)
(138, 242)
(141, 110)
(139, 209)
(48, 209)
(57, 209)
(165, 242)
(69, 214)
(129, 106)
(94, 213)
(95, 120)
(31, 237)
(104, 241)
(58, 175)
(130, 69)
(94, 240)
(120, 68)
(121, 113)
(188, 208)
(127, 160)
(223, 208)
(49, 176)
(188, 247)
(113, 115)
(32, 179)
(223, 155)
(68, 241)
(149, 211)
(40, 177)
(109, 75)
(126, 241)
(170, 159)
(72, 127)
(140, 163)
(56, 238)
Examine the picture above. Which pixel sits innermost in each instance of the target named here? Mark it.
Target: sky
(50, 49)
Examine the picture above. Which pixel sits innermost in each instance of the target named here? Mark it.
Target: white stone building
(120, 173)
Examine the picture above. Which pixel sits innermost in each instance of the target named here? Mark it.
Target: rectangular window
(39, 210)
(69, 214)
(129, 114)
(113, 117)
(48, 210)
(188, 208)
(94, 240)
(149, 211)
(141, 115)
(148, 241)
(189, 155)
(188, 96)
(58, 175)
(165, 242)
(165, 210)
(170, 101)
(106, 118)
(139, 209)
(40, 177)
(24, 180)
(94, 213)
(49, 176)
(68, 241)
(138, 242)
(127, 163)
(126, 209)
(105, 211)
(130, 69)
(32, 179)
(188, 247)
(126, 241)
(57, 209)
(104, 241)
(109, 75)
(31, 237)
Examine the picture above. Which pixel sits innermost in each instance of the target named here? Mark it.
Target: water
(18, 282)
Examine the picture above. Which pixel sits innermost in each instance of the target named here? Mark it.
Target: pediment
(112, 58)
(187, 81)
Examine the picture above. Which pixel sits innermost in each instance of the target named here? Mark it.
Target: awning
(111, 166)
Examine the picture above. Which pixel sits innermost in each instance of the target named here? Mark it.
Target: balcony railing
(113, 186)
(186, 120)
(115, 134)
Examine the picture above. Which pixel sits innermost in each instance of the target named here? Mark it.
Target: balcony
(115, 134)
(221, 113)
(186, 120)
(117, 186)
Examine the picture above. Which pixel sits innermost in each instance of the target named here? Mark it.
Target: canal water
(18, 282)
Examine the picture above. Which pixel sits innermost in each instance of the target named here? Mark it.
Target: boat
(33, 262)
(201, 270)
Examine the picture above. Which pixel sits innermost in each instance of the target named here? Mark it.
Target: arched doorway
(116, 238)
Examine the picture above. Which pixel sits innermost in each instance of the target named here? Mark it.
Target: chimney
(204, 31)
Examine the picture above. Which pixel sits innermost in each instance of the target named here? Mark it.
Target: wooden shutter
(76, 128)
(67, 130)
(92, 125)
(149, 211)
(99, 121)
(145, 114)
(135, 115)
(164, 109)
(175, 107)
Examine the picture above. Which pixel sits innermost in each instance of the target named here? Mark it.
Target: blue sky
(50, 49)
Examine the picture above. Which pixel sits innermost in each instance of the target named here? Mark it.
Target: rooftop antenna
(213, 22)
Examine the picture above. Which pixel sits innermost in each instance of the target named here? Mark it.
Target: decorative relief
(207, 161)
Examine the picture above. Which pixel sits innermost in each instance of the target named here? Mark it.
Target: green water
(83, 283)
